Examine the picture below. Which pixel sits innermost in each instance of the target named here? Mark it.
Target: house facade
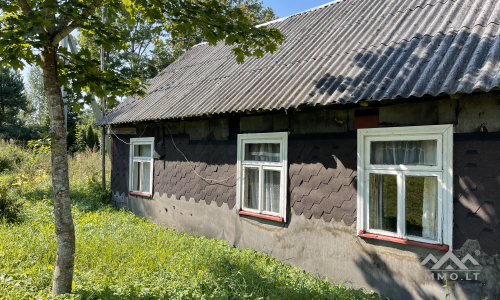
(365, 149)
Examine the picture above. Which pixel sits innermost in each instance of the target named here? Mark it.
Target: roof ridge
(300, 13)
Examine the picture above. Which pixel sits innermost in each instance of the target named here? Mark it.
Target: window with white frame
(141, 165)
(262, 174)
(405, 183)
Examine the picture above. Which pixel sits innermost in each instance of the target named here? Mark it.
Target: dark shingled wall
(211, 159)
(119, 173)
(476, 170)
(323, 177)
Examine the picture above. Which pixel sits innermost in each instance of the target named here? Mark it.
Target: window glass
(251, 197)
(383, 202)
(146, 168)
(421, 206)
(272, 190)
(136, 179)
(262, 152)
(404, 153)
(142, 150)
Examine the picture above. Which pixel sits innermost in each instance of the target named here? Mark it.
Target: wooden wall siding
(121, 158)
(477, 190)
(323, 177)
(213, 160)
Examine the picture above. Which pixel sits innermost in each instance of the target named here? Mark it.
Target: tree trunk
(64, 228)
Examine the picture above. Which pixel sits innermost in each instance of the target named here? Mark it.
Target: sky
(285, 8)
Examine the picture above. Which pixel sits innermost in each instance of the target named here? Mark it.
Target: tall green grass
(121, 256)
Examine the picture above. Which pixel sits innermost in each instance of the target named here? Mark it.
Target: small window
(262, 170)
(405, 183)
(141, 166)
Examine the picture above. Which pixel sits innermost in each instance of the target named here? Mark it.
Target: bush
(10, 208)
(11, 156)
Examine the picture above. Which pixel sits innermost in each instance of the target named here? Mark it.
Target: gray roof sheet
(342, 52)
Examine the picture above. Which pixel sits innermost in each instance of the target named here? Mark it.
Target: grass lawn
(121, 256)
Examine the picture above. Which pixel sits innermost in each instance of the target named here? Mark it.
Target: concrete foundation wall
(331, 249)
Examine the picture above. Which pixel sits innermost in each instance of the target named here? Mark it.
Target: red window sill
(140, 194)
(402, 241)
(262, 216)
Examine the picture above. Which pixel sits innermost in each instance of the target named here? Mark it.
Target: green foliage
(81, 137)
(10, 207)
(14, 107)
(149, 48)
(87, 137)
(11, 156)
(94, 190)
(26, 27)
(91, 138)
(37, 97)
(121, 256)
(72, 139)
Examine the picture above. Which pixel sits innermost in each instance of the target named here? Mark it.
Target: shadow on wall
(399, 285)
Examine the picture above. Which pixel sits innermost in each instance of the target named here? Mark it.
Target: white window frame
(282, 166)
(140, 141)
(444, 171)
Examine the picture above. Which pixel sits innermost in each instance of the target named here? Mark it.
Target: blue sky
(285, 8)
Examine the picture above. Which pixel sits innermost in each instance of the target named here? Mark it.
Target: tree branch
(24, 6)
(65, 30)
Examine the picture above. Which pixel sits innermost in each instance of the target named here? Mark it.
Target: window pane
(421, 206)
(136, 179)
(146, 176)
(142, 150)
(272, 181)
(251, 197)
(263, 152)
(383, 202)
(404, 153)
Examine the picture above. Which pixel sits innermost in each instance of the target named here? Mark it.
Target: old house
(367, 142)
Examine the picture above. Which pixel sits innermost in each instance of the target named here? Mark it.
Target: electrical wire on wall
(173, 142)
(206, 179)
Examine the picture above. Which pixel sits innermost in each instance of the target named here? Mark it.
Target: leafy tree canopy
(149, 48)
(26, 26)
(14, 106)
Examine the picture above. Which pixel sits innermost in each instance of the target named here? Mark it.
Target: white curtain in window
(263, 152)
(251, 199)
(429, 216)
(272, 191)
(404, 153)
(135, 181)
(142, 150)
(146, 168)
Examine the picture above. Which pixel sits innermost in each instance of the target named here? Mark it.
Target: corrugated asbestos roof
(343, 52)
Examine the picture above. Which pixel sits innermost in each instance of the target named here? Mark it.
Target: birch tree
(30, 33)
